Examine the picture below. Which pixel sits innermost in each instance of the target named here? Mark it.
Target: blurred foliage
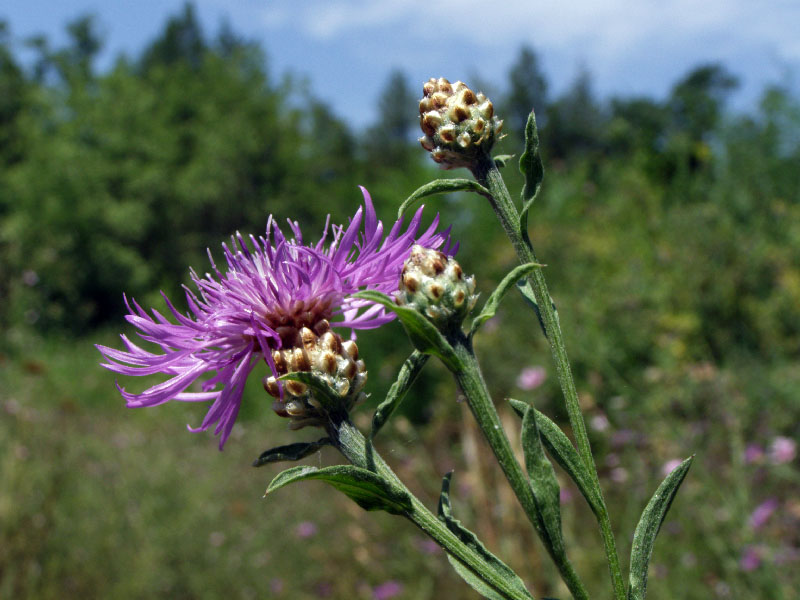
(671, 233)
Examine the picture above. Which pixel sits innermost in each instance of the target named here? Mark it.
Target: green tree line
(120, 179)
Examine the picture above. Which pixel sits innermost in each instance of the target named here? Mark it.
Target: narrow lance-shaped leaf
(646, 531)
(530, 164)
(490, 308)
(561, 449)
(543, 481)
(526, 290)
(422, 333)
(471, 540)
(408, 373)
(442, 186)
(296, 451)
(366, 488)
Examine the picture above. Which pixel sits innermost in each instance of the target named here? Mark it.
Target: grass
(97, 500)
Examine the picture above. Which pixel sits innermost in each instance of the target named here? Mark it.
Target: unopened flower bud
(458, 124)
(323, 353)
(434, 284)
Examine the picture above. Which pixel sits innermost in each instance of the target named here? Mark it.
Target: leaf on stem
(442, 186)
(368, 490)
(490, 308)
(501, 160)
(471, 540)
(324, 393)
(295, 451)
(530, 164)
(561, 449)
(526, 290)
(423, 334)
(646, 531)
(543, 481)
(408, 373)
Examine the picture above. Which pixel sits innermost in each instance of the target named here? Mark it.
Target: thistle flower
(458, 124)
(273, 291)
(435, 285)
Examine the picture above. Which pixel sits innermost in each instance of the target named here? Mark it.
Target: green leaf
(471, 540)
(646, 531)
(526, 290)
(543, 481)
(367, 489)
(442, 186)
(324, 393)
(561, 449)
(296, 451)
(490, 308)
(530, 164)
(501, 160)
(422, 333)
(408, 373)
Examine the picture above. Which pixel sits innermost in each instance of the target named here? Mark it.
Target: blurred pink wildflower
(782, 450)
(762, 513)
(531, 377)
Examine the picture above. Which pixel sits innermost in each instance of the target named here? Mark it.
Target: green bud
(323, 353)
(458, 124)
(435, 285)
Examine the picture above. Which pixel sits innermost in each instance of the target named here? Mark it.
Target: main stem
(487, 174)
(352, 444)
(472, 384)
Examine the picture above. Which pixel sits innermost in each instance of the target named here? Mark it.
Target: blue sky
(347, 47)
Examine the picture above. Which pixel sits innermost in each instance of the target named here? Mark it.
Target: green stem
(473, 386)
(487, 174)
(352, 444)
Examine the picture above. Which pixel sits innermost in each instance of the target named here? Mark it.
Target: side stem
(352, 444)
(487, 174)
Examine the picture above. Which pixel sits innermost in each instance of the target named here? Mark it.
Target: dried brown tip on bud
(350, 347)
(296, 388)
(430, 122)
(322, 326)
(271, 386)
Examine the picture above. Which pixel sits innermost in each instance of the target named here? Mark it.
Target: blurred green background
(671, 233)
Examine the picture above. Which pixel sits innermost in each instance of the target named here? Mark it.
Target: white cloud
(599, 30)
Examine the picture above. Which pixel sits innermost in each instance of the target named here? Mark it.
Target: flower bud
(458, 124)
(323, 353)
(434, 284)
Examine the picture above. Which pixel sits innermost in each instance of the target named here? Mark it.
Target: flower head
(435, 285)
(273, 290)
(458, 124)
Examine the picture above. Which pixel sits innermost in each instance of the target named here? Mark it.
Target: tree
(181, 41)
(576, 121)
(527, 91)
(697, 100)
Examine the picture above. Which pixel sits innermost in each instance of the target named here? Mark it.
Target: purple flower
(750, 559)
(387, 590)
(306, 529)
(272, 287)
(753, 453)
(782, 450)
(531, 377)
(762, 513)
